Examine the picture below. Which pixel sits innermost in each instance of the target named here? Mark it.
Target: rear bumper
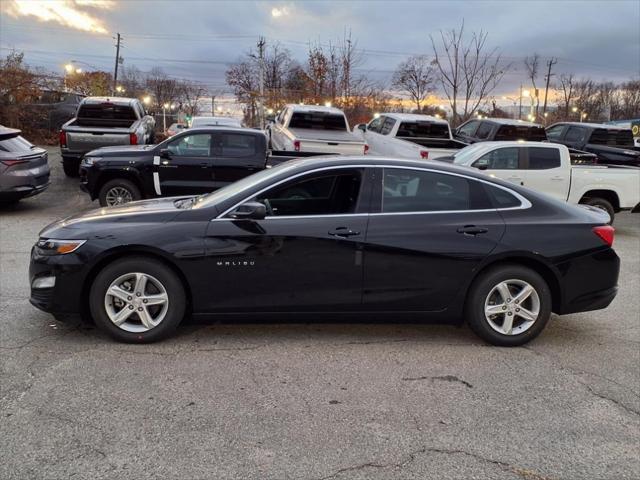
(22, 184)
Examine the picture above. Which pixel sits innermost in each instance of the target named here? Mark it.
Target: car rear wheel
(137, 300)
(118, 192)
(508, 305)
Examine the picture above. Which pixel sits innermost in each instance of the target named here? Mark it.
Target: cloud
(70, 13)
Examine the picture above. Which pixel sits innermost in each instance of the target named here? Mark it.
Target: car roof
(414, 117)
(119, 100)
(219, 128)
(296, 107)
(593, 125)
(515, 143)
(510, 121)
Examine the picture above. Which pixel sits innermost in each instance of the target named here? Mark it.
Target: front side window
(407, 190)
(375, 125)
(327, 193)
(387, 126)
(541, 158)
(196, 145)
(499, 159)
(469, 128)
(554, 133)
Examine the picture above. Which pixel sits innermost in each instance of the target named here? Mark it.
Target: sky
(197, 40)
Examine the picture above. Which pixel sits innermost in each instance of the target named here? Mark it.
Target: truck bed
(435, 142)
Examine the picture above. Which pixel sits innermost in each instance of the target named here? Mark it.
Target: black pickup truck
(195, 161)
(612, 145)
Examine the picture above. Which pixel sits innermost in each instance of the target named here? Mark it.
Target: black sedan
(355, 235)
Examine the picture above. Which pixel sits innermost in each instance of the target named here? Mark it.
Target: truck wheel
(602, 204)
(118, 192)
(71, 167)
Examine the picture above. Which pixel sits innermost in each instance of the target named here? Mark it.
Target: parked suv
(499, 129)
(24, 170)
(103, 122)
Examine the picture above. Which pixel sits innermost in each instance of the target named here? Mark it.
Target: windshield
(467, 154)
(247, 182)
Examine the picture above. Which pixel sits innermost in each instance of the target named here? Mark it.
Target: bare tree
(163, 88)
(416, 77)
(567, 89)
(243, 79)
(467, 70)
(189, 94)
(532, 64)
(317, 66)
(350, 59)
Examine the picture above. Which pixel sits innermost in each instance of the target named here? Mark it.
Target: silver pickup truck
(103, 122)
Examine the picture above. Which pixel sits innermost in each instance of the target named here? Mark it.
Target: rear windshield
(613, 138)
(317, 121)
(515, 132)
(423, 129)
(14, 144)
(107, 111)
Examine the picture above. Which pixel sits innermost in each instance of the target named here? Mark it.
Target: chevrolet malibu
(328, 235)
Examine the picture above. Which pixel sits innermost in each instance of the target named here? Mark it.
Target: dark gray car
(24, 168)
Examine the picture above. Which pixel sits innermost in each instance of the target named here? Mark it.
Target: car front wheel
(508, 305)
(138, 300)
(118, 192)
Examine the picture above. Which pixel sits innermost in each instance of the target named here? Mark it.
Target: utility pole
(115, 70)
(213, 105)
(550, 63)
(520, 107)
(261, 44)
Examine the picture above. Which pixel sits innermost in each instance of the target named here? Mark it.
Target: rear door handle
(557, 178)
(472, 230)
(343, 232)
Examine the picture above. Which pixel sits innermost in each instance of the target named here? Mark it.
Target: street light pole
(520, 107)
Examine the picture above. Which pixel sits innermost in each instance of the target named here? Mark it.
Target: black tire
(71, 167)
(175, 310)
(119, 183)
(602, 204)
(482, 288)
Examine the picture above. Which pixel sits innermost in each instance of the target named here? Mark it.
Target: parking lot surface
(312, 400)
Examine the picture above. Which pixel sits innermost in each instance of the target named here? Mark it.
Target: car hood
(144, 211)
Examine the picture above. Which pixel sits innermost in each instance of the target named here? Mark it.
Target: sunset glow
(70, 13)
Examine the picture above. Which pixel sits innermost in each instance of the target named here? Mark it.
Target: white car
(406, 135)
(309, 128)
(546, 167)
(197, 122)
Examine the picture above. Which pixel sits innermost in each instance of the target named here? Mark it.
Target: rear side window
(317, 121)
(15, 144)
(484, 130)
(613, 137)
(107, 111)
(407, 190)
(515, 132)
(423, 129)
(501, 198)
(499, 159)
(553, 133)
(387, 126)
(541, 158)
(235, 145)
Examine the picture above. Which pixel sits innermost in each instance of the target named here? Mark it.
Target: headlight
(88, 161)
(57, 247)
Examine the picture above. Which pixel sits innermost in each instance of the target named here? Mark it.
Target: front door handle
(472, 230)
(343, 232)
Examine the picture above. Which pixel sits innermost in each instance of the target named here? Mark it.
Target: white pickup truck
(309, 128)
(406, 135)
(546, 167)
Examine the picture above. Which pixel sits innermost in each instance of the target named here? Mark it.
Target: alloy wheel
(512, 307)
(136, 302)
(118, 196)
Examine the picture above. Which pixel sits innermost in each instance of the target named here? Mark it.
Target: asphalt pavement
(312, 400)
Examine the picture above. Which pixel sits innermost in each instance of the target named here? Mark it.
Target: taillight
(10, 163)
(366, 148)
(133, 139)
(63, 138)
(606, 233)
(424, 154)
(296, 145)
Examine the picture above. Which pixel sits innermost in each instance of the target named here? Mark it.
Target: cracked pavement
(312, 400)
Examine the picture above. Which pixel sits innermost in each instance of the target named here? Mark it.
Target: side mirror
(483, 166)
(165, 153)
(362, 126)
(250, 210)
